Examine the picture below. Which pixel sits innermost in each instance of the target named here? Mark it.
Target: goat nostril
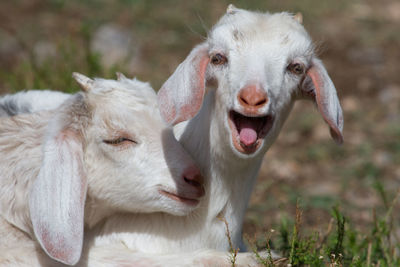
(261, 102)
(192, 182)
(243, 100)
(252, 97)
(192, 177)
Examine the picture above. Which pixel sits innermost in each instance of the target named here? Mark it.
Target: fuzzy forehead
(124, 93)
(247, 27)
(123, 106)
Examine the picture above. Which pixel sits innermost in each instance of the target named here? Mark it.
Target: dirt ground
(42, 42)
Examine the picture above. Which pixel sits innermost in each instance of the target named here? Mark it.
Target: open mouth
(248, 132)
(187, 201)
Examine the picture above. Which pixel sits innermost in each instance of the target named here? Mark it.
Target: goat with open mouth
(261, 63)
(255, 65)
(248, 133)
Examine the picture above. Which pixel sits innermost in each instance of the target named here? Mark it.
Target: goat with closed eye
(104, 151)
(255, 66)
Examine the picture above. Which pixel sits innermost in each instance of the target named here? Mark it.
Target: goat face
(111, 142)
(259, 63)
(255, 80)
(134, 162)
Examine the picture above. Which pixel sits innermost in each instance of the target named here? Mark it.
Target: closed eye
(119, 141)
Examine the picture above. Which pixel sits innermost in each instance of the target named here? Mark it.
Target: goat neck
(229, 177)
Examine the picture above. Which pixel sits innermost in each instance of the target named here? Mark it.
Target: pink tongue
(248, 136)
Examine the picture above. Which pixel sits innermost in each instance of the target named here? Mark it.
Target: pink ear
(57, 197)
(319, 85)
(181, 96)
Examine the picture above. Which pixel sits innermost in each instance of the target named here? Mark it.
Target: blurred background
(43, 42)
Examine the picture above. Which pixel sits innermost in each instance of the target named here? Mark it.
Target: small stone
(382, 159)
(10, 50)
(115, 45)
(43, 51)
(393, 11)
(364, 84)
(320, 133)
(390, 94)
(361, 11)
(368, 55)
(350, 104)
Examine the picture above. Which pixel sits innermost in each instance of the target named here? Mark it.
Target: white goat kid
(260, 64)
(103, 151)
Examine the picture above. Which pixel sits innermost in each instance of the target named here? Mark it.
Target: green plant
(342, 244)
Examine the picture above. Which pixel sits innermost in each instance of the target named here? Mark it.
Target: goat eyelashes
(119, 141)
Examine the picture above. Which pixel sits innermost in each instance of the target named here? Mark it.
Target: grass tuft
(341, 244)
(232, 251)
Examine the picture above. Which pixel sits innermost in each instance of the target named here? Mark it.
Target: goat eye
(296, 68)
(118, 141)
(218, 59)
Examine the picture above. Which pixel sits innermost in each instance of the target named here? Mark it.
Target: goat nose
(252, 96)
(193, 177)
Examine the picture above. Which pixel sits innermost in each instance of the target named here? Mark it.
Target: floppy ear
(58, 194)
(319, 86)
(181, 96)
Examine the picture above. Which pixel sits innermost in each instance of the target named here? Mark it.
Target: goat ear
(319, 86)
(58, 195)
(181, 96)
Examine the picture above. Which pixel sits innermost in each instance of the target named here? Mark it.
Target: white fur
(31, 101)
(49, 160)
(263, 47)
(259, 47)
